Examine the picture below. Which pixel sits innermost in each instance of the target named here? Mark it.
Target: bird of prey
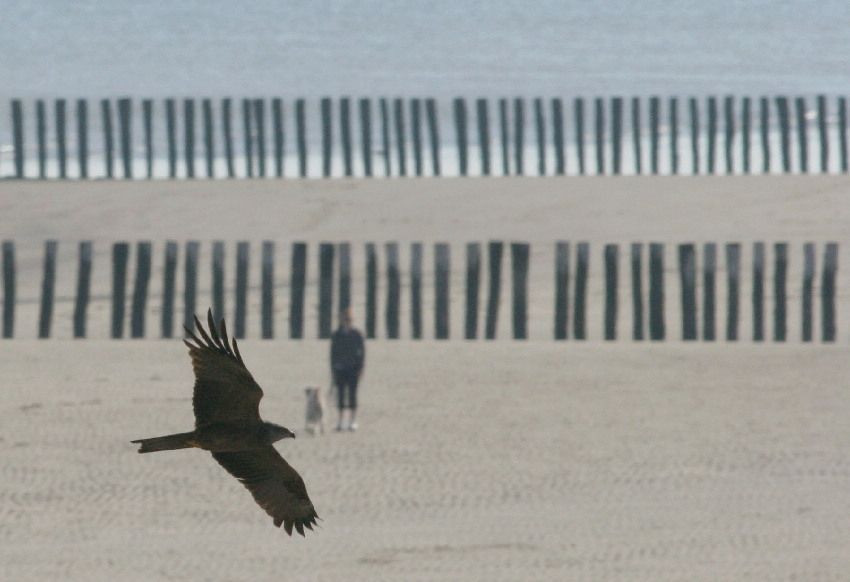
(226, 401)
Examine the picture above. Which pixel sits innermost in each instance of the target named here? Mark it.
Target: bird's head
(277, 432)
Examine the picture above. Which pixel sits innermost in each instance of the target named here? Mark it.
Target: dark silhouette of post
(654, 132)
(758, 291)
(434, 133)
(344, 276)
(209, 137)
(611, 259)
(764, 126)
(147, 122)
(345, 135)
(733, 286)
(260, 127)
(366, 135)
(61, 137)
(169, 289)
(674, 135)
(782, 110)
(729, 133)
(540, 123)
(385, 136)
(41, 137)
(140, 289)
(442, 270)
(416, 134)
(298, 282)
(842, 132)
(580, 303)
(218, 280)
(125, 124)
(558, 136)
(483, 135)
(504, 133)
(393, 291)
(637, 291)
(746, 131)
(802, 135)
(247, 137)
(494, 262)
(600, 137)
(189, 136)
(83, 137)
(473, 284)
(278, 140)
(519, 135)
(400, 137)
(616, 134)
(823, 120)
(694, 111)
(171, 137)
(190, 285)
(712, 134)
(807, 315)
(9, 289)
(81, 302)
(48, 289)
(227, 135)
(709, 268)
(779, 291)
(416, 290)
(687, 274)
(656, 291)
(578, 112)
(267, 305)
(562, 289)
(460, 133)
(827, 290)
(637, 138)
(120, 255)
(326, 275)
(371, 290)
(519, 266)
(18, 136)
(301, 136)
(243, 257)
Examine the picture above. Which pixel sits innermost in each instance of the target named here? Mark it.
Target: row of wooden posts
(409, 123)
(571, 281)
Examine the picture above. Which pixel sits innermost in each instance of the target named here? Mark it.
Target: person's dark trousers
(346, 383)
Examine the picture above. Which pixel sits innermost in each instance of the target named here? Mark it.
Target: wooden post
(558, 136)
(248, 138)
(611, 258)
(416, 290)
(83, 137)
(637, 141)
(243, 258)
(385, 136)
(41, 137)
(746, 129)
(326, 289)
(779, 294)
(803, 135)
(808, 288)
(616, 133)
(656, 291)
(125, 124)
(709, 267)
(579, 306)
(120, 254)
(460, 132)
(600, 138)
(298, 281)
(260, 126)
(494, 258)
(519, 135)
(48, 289)
(189, 136)
(393, 291)
(654, 132)
(674, 135)
(416, 134)
(729, 133)
(442, 283)
(218, 280)
(345, 135)
(764, 113)
(784, 132)
(541, 136)
(842, 132)
(400, 137)
(344, 276)
(687, 273)
(227, 135)
(694, 109)
(267, 307)
(434, 132)
(9, 288)
(483, 135)
(473, 284)
(733, 276)
(61, 139)
(366, 135)
(562, 289)
(824, 137)
(758, 291)
(505, 137)
(191, 282)
(171, 136)
(169, 289)
(81, 303)
(637, 291)
(209, 137)
(371, 290)
(147, 121)
(18, 136)
(712, 133)
(519, 262)
(140, 289)
(278, 139)
(301, 137)
(827, 289)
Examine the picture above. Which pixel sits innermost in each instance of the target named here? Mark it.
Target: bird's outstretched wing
(224, 391)
(275, 485)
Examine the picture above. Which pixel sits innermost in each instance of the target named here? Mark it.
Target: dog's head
(312, 392)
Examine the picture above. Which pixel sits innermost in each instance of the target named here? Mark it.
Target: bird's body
(228, 424)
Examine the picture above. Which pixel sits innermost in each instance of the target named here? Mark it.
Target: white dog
(315, 417)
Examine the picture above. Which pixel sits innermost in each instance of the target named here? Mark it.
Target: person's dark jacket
(348, 350)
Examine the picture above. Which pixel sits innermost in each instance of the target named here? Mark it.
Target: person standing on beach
(348, 356)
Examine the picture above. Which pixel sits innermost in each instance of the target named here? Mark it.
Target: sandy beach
(503, 460)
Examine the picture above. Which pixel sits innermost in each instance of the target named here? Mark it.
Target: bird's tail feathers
(166, 443)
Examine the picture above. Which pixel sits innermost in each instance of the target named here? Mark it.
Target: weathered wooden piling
(654, 132)
(616, 134)
(169, 289)
(600, 137)
(673, 104)
(637, 291)
(733, 286)
(81, 300)
(243, 257)
(147, 123)
(637, 137)
(687, 275)
(656, 291)
(842, 133)
(278, 139)
(562, 289)
(366, 135)
(807, 312)
(483, 135)
(171, 137)
(140, 289)
(519, 286)
(326, 277)
(519, 135)
(218, 280)
(827, 292)
(344, 276)
(393, 291)
(125, 127)
(540, 123)
(189, 136)
(83, 137)
(190, 283)
(267, 293)
(580, 301)
(709, 268)
(782, 109)
(758, 291)
(416, 134)
(823, 120)
(18, 136)
(61, 137)
(400, 136)
(764, 126)
(416, 290)
(712, 134)
(371, 290)
(301, 136)
(802, 134)
(473, 284)
(746, 132)
(434, 133)
(494, 290)
(558, 136)
(48, 289)
(611, 260)
(780, 271)
(442, 285)
(460, 133)
(504, 133)
(120, 255)
(9, 289)
(209, 137)
(385, 136)
(41, 137)
(248, 137)
(260, 135)
(298, 282)
(729, 133)
(227, 135)
(345, 136)
(694, 113)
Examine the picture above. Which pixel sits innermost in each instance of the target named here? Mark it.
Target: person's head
(345, 318)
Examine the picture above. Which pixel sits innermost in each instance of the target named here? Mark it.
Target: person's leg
(352, 401)
(339, 380)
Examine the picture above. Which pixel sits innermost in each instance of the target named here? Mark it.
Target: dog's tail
(183, 440)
